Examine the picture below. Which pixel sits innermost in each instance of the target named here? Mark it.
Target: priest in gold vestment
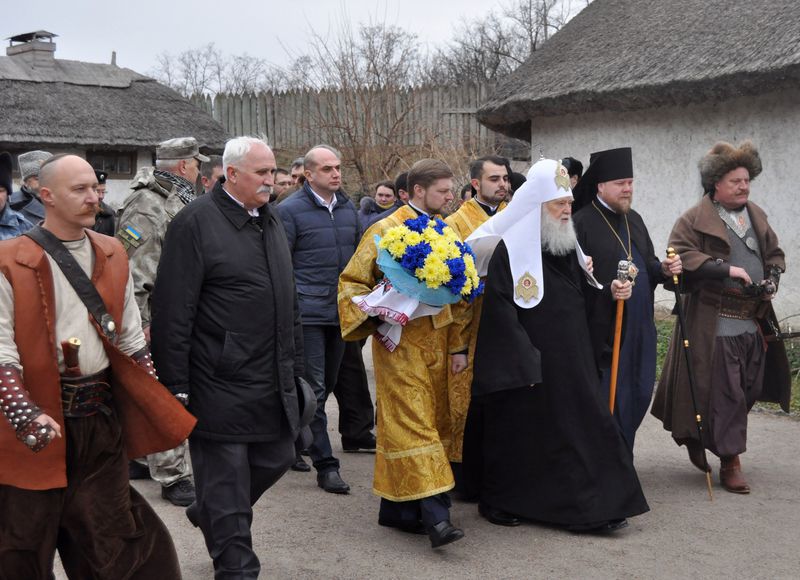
(489, 178)
(412, 472)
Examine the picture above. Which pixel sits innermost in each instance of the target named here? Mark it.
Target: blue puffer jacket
(321, 244)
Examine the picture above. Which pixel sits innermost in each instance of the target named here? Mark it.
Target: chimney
(113, 58)
(37, 49)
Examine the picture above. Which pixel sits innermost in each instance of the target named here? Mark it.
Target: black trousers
(229, 479)
(429, 510)
(356, 412)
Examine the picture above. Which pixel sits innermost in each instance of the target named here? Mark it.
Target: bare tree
(206, 71)
(484, 49)
(361, 104)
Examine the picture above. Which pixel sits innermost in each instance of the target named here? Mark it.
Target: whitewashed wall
(667, 145)
(118, 189)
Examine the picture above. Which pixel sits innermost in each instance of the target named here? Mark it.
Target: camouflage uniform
(143, 222)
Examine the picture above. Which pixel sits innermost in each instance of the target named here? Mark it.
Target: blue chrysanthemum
(467, 249)
(456, 283)
(439, 226)
(456, 266)
(476, 291)
(414, 256)
(417, 224)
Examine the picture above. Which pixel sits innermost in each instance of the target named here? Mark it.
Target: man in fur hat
(732, 265)
(27, 201)
(12, 223)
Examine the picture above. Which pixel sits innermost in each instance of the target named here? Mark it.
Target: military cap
(30, 162)
(101, 176)
(180, 148)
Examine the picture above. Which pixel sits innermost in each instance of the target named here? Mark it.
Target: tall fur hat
(723, 158)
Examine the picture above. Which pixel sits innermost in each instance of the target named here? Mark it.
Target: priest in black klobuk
(610, 231)
(540, 442)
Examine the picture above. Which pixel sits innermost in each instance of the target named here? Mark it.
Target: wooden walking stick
(623, 269)
(685, 341)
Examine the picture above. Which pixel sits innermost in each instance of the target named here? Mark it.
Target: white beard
(558, 238)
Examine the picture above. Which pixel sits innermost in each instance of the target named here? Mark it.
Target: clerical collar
(605, 205)
(252, 212)
(490, 210)
(419, 211)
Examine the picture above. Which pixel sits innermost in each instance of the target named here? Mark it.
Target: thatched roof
(636, 54)
(70, 103)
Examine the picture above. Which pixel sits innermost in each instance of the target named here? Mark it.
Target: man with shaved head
(69, 331)
(322, 227)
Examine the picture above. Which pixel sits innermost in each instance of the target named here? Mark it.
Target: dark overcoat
(226, 326)
(698, 236)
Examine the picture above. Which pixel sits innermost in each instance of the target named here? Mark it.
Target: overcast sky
(138, 30)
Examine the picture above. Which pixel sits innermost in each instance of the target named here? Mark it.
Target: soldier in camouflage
(157, 195)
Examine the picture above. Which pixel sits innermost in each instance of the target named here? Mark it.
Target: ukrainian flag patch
(129, 237)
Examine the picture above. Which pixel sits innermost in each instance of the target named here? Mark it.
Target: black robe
(637, 366)
(549, 452)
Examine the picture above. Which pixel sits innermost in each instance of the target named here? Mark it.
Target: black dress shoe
(300, 464)
(444, 533)
(498, 517)
(137, 471)
(363, 445)
(332, 482)
(408, 527)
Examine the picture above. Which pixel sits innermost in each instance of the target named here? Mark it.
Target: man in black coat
(610, 231)
(226, 338)
(323, 232)
(104, 221)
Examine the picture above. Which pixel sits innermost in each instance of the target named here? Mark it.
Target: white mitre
(519, 226)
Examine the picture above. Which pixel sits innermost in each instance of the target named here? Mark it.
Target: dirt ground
(301, 532)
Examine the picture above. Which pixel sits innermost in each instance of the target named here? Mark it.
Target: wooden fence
(295, 120)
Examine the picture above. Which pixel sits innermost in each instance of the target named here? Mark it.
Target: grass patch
(664, 325)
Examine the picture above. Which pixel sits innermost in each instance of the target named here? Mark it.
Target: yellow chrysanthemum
(412, 238)
(430, 235)
(469, 265)
(397, 249)
(450, 235)
(440, 249)
(434, 272)
(391, 236)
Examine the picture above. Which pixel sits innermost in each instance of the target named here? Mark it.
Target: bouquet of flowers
(426, 266)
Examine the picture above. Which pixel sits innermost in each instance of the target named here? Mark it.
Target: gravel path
(301, 532)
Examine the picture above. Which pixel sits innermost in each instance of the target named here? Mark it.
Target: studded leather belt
(738, 306)
(87, 395)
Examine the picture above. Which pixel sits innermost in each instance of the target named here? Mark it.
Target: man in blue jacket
(12, 223)
(322, 228)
